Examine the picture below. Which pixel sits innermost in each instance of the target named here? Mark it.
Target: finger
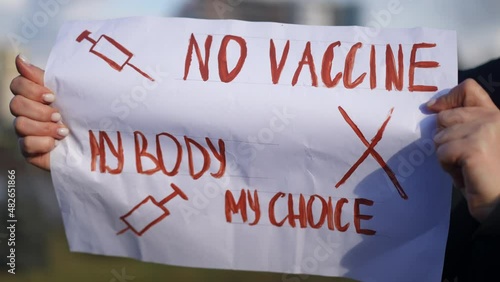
(31, 72)
(452, 117)
(455, 132)
(450, 155)
(27, 88)
(32, 145)
(40, 160)
(22, 106)
(467, 94)
(28, 127)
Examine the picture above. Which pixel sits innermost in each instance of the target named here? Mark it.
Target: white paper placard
(253, 146)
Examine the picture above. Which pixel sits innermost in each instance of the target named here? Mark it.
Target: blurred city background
(30, 27)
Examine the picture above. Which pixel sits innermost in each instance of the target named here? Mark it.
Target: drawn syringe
(149, 212)
(115, 54)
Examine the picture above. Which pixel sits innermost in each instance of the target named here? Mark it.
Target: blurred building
(314, 12)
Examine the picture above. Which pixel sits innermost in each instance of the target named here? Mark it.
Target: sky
(476, 22)
(17, 15)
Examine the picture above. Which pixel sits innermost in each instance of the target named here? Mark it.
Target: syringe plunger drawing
(106, 48)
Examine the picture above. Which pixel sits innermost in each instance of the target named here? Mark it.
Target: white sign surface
(253, 146)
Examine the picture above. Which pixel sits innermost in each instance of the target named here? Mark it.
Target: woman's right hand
(467, 145)
(37, 124)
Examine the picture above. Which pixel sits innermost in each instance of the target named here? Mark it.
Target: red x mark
(371, 150)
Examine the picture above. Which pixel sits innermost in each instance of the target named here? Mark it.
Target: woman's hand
(468, 144)
(37, 124)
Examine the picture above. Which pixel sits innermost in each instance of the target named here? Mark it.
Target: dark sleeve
(471, 245)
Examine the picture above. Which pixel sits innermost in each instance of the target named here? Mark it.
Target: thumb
(29, 71)
(467, 94)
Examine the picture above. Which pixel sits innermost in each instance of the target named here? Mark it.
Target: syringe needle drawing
(149, 212)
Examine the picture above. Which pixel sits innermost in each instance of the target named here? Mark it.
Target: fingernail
(56, 143)
(24, 59)
(55, 117)
(438, 136)
(48, 98)
(431, 102)
(63, 132)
